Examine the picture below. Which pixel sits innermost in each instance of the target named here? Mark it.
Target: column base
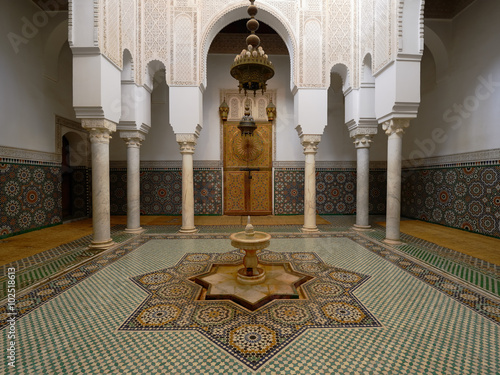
(392, 242)
(102, 245)
(361, 228)
(192, 230)
(135, 231)
(309, 229)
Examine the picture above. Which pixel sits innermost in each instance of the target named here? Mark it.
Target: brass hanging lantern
(223, 110)
(271, 111)
(247, 123)
(252, 67)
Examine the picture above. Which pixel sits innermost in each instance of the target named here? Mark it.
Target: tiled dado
(335, 191)
(161, 191)
(460, 197)
(30, 196)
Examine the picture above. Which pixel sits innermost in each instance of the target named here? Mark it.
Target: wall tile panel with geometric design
(30, 197)
(461, 197)
(161, 192)
(335, 192)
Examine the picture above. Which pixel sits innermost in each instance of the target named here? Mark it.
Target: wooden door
(247, 170)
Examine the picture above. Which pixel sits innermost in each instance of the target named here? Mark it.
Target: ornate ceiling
(62, 5)
(445, 8)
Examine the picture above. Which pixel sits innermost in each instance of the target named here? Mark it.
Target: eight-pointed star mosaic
(175, 302)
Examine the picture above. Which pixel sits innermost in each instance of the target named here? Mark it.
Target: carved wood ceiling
(62, 5)
(445, 9)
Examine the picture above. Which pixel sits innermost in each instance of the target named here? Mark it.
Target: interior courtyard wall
(460, 113)
(452, 174)
(31, 101)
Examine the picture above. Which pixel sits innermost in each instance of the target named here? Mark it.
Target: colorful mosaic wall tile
(161, 192)
(81, 192)
(335, 192)
(207, 191)
(30, 197)
(466, 198)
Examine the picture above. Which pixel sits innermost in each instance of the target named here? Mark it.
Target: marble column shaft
(362, 144)
(100, 131)
(187, 143)
(394, 129)
(133, 141)
(310, 144)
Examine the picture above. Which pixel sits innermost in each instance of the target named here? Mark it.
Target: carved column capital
(396, 126)
(132, 138)
(99, 129)
(187, 142)
(362, 140)
(310, 143)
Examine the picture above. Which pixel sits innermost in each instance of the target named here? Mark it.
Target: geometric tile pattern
(253, 337)
(30, 197)
(424, 330)
(80, 190)
(335, 191)
(461, 197)
(161, 191)
(46, 264)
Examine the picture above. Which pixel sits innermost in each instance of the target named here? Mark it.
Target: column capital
(396, 126)
(363, 136)
(310, 143)
(187, 142)
(132, 138)
(99, 129)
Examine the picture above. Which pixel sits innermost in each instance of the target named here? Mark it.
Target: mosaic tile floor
(427, 319)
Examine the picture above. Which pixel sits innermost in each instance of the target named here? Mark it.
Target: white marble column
(100, 130)
(394, 129)
(133, 141)
(187, 143)
(310, 143)
(362, 144)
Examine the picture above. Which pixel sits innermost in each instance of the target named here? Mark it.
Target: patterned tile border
(484, 305)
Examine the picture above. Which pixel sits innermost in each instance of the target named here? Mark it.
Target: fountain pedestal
(250, 241)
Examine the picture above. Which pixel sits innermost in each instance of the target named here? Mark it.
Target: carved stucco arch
(364, 64)
(236, 12)
(343, 71)
(128, 70)
(150, 68)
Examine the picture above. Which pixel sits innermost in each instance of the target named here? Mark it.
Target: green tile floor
(424, 330)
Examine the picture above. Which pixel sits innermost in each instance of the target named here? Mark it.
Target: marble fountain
(255, 283)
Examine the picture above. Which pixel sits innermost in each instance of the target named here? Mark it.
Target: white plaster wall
(460, 113)
(28, 100)
(287, 141)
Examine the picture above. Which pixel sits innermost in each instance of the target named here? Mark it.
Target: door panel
(245, 195)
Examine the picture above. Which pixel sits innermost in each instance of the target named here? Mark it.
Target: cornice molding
(453, 160)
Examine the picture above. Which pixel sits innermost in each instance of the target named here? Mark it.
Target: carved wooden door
(247, 170)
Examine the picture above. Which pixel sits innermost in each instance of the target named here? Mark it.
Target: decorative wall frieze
(396, 126)
(24, 156)
(328, 165)
(486, 157)
(168, 164)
